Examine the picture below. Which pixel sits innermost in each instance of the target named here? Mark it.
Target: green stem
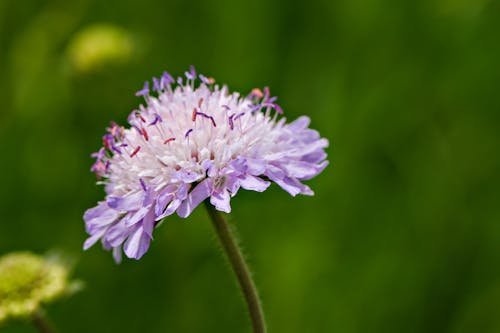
(240, 268)
(40, 321)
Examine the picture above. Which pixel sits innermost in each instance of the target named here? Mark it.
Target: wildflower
(27, 281)
(194, 140)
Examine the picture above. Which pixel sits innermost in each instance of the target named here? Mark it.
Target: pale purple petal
(254, 183)
(299, 123)
(137, 216)
(297, 169)
(162, 201)
(93, 239)
(137, 244)
(221, 201)
(127, 203)
(194, 198)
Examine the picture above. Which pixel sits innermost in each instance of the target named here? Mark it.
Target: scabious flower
(194, 140)
(28, 280)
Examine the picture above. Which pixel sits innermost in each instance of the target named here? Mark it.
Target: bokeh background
(403, 234)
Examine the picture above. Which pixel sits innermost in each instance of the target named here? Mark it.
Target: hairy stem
(40, 321)
(240, 268)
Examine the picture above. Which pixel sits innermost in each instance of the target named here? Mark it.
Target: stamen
(191, 75)
(136, 150)
(238, 116)
(156, 84)
(116, 149)
(165, 80)
(207, 116)
(193, 116)
(231, 123)
(200, 101)
(203, 79)
(168, 140)
(267, 93)
(156, 120)
(188, 132)
(144, 133)
(143, 184)
(99, 154)
(255, 107)
(132, 116)
(274, 106)
(113, 129)
(144, 91)
(257, 93)
(138, 115)
(107, 140)
(226, 107)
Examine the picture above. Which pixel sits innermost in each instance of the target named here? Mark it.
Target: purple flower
(190, 143)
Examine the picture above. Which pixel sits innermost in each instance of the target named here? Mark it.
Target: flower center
(220, 182)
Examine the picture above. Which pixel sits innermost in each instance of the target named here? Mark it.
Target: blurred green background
(403, 234)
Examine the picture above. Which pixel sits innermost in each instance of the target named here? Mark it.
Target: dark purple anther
(207, 116)
(231, 123)
(144, 91)
(115, 149)
(226, 107)
(188, 132)
(238, 116)
(191, 75)
(156, 120)
(143, 185)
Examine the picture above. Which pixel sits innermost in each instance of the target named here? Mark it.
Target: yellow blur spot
(98, 46)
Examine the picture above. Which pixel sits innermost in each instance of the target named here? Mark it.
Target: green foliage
(403, 233)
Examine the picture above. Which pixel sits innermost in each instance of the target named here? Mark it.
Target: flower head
(26, 281)
(194, 140)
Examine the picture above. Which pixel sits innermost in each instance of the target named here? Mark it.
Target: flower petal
(221, 201)
(254, 183)
(194, 198)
